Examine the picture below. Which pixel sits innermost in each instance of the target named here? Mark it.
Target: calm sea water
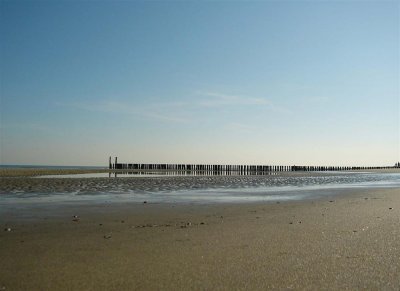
(189, 188)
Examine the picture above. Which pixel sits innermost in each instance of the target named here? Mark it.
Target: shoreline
(188, 189)
(36, 172)
(349, 242)
(282, 186)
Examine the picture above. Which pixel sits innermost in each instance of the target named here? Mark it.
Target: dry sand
(351, 242)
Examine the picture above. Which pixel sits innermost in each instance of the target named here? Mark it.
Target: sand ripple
(79, 186)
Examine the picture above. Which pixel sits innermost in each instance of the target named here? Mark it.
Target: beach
(199, 145)
(347, 241)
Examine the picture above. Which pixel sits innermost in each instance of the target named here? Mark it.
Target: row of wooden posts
(234, 168)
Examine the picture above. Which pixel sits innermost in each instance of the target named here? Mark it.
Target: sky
(222, 82)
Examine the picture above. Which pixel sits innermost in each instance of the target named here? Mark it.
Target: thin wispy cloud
(151, 111)
(215, 99)
(176, 111)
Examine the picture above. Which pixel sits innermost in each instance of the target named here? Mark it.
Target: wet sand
(29, 181)
(32, 172)
(351, 241)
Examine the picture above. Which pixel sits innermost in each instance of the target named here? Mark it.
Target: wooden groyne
(236, 168)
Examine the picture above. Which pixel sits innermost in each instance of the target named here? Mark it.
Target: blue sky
(288, 82)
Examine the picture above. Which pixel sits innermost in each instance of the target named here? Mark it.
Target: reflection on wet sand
(187, 186)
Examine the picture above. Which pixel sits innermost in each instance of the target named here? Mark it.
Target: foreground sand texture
(351, 241)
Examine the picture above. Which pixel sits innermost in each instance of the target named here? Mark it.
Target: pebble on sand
(7, 229)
